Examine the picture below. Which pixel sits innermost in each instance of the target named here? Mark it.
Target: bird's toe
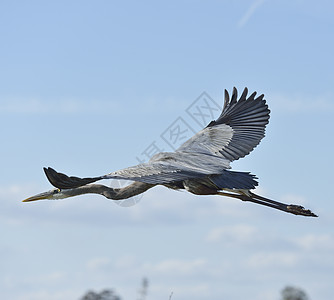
(300, 210)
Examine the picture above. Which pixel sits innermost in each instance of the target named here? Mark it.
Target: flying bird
(200, 166)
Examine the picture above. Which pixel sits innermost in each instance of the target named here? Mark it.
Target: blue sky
(87, 86)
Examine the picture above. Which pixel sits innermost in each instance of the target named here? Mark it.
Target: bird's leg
(244, 197)
(291, 208)
(251, 197)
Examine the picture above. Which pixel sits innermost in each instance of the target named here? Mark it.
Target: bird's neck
(128, 191)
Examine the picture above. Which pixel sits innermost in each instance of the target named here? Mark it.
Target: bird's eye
(56, 191)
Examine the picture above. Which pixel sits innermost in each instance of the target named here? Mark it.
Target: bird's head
(54, 194)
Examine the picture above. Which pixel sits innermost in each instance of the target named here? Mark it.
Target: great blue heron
(200, 165)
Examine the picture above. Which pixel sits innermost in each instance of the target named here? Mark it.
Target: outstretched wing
(167, 167)
(151, 173)
(237, 131)
(163, 168)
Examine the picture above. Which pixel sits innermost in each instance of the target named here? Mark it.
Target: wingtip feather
(234, 95)
(226, 98)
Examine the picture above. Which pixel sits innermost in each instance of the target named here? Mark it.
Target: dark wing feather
(62, 181)
(239, 128)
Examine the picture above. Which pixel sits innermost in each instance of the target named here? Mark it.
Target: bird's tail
(62, 181)
(235, 180)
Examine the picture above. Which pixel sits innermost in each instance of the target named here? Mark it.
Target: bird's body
(200, 165)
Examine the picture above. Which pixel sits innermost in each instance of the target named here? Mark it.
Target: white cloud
(63, 106)
(14, 190)
(302, 103)
(127, 261)
(251, 10)
(161, 268)
(43, 286)
(313, 242)
(178, 266)
(98, 263)
(273, 259)
(11, 205)
(236, 234)
(43, 294)
(98, 106)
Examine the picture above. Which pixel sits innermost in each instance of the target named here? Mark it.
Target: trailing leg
(251, 197)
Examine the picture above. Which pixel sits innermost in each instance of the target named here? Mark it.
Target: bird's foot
(300, 210)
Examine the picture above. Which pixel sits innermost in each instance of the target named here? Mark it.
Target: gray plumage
(200, 165)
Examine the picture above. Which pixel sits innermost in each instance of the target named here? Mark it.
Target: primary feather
(237, 131)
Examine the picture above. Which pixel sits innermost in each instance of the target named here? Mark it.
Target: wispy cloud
(179, 266)
(302, 103)
(64, 106)
(99, 263)
(271, 259)
(237, 234)
(251, 10)
(316, 242)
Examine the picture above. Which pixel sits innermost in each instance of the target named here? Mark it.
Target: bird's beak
(41, 196)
